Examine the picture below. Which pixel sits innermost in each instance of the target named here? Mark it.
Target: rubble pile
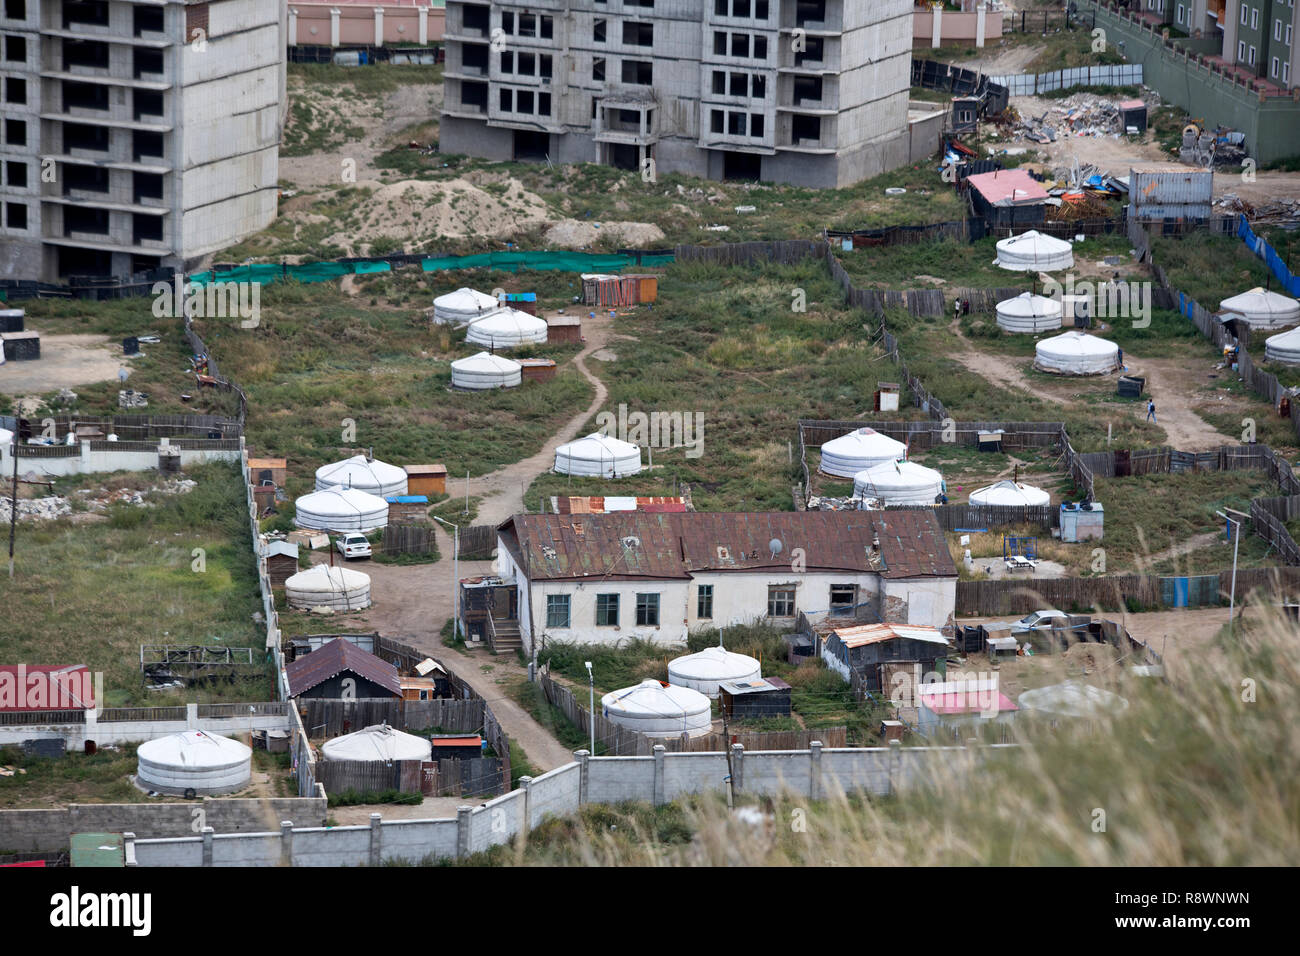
(129, 398)
(95, 500)
(1274, 209)
(1082, 114)
(1220, 147)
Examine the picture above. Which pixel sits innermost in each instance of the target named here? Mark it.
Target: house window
(720, 44)
(507, 22)
(544, 104)
(598, 69)
(716, 121)
(15, 49)
(1251, 58)
(704, 602)
(1180, 13)
(647, 610)
(740, 44)
(1245, 13)
(607, 610)
(16, 9)
(1241, 50)
(1277, 29)
(756, 125)
(1254, 19)
(15, 90)
(598, 31)
(527, 64)
(16, 173)
(638, 72)
(507, 101)
(557, 610)
(739, 84)
(719, 83)
(1286, 73)
(15, 132)
(507, 62)
(639, 34)
(760, 48)
(545, 64)
(844, 598)
(780, 602)
(548, 27)
(759, 87)
(527, 25)
(524, 101)
(736, 124)
(1273, 69)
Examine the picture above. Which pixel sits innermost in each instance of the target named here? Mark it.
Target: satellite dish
(775, 546)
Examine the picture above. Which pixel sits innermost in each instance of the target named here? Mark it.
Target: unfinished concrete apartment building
(811, 92)
(137, 134)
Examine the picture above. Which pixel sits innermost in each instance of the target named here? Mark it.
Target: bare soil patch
(66, 361)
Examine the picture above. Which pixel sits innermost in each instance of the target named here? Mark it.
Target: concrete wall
(1271, 124)
(92, 462)
(138, 731)
(656, 779)
(955, 27)
(399, 21)
(49, 830)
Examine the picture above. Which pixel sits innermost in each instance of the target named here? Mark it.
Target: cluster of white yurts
(491, 323)
(350, 495)
(1265, 309)
(682, 706)
(881, 473)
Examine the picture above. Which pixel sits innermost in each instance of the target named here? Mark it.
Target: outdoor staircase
(503, 637)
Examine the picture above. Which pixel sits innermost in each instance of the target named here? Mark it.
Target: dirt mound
(577, 234)
(452, 209)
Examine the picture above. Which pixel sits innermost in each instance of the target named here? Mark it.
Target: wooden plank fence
(477, 542)
(333, 717)
(408, 539)
(480, 776)
(613, 740)
(1113, 593)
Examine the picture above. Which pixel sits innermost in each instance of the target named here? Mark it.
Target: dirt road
(66, 361)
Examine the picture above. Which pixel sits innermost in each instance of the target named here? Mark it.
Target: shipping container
(1170, 191)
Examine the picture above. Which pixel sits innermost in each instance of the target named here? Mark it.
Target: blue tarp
(1261, 248)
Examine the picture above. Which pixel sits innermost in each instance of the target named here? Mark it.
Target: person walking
(1151, 410)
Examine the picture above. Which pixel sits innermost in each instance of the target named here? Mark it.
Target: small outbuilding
(537, 369)
(281, 562)
(430, 480)
(754, 699)
(962, 704)
(1133, 116)
(562, 329)
(1008, 197)
(322, 673)
(869, 648)
(456, 746)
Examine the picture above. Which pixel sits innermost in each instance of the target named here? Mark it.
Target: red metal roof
(466, 740)
(334, 658)
(965, 702)
(1008, 187)
(657, 546)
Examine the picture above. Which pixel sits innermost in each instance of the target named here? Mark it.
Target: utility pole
(455, 573)
(13, 504)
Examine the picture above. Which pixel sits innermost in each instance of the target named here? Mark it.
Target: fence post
(526, 784)
(376, 839)
(737, 767)
(286, 843)
(582, 756)
(207, 845)
(191, 716)
(128, 848)
(895, 752)
(815, 770)
(659, 753)
(463, 815)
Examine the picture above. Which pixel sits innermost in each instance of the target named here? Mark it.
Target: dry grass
(1197, 772)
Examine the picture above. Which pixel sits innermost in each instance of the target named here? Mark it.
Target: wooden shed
(754, 699)
(873, 649)
(407, 509)
(429, 480)
(281, 562)
(456, 746)
(564, 328)
(274, 470)
(536, 369)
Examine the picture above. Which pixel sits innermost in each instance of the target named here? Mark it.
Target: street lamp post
(455, 573)
(591, 712)
(1236, 543)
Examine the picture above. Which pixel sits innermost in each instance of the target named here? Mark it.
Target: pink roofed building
(962, 702)
(352, 23)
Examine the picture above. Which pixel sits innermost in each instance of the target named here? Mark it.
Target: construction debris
(1205, 148)
(129, 398)
(1082, 114)
(1282, 208)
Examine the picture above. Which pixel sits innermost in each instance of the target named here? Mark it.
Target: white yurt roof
(1010, 492)
(1076, 353)
(1072, 699)
(1028, 312)
(380, 742)
(858, 450)
(507, 328)
(324, 586)
(899, 483)
(651, 708)
(1263, 308)
(365, 474)
(485, 370)
(1283, 347)
(598, 454)
(463, 306)
(710, 667)
(1034, 252)
(193, 760)
(341, 509)
(6, 436)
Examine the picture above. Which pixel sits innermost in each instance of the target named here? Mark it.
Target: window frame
(553, 604)
(605, 604)
(776, 601)
(648, 605)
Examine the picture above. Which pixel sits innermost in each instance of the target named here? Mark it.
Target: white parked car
(1039, 621)
(353, 545)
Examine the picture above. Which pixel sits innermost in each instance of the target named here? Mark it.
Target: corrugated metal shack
(754, 699)
(869, 649)
(1159, 191)
(610, 291)
(1008, 198)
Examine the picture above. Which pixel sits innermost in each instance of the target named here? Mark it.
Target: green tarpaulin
(502, 261)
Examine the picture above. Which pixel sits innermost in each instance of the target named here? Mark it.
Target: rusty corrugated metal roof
(334, 658)
(895, 544)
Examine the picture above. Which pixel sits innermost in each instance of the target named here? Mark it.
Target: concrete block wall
(657, 779)
(554, 794)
